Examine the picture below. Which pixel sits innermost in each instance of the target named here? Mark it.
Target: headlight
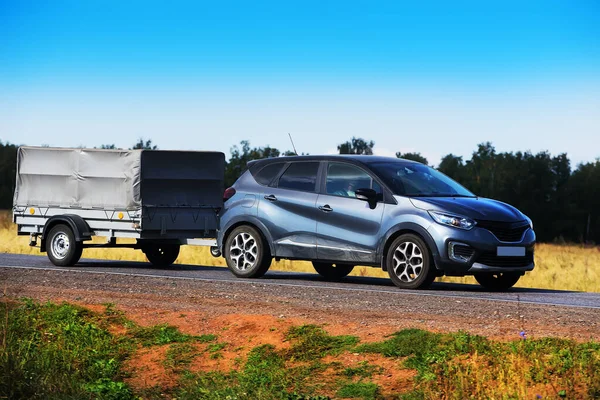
(455, 221)
(530, 221)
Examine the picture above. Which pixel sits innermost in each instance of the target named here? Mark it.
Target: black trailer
(163, 199)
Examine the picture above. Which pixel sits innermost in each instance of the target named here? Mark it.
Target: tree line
(563, 202)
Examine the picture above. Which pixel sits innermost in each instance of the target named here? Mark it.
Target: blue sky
(435, 77)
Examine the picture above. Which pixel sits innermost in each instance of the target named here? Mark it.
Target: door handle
(271, 197)
(326, 208)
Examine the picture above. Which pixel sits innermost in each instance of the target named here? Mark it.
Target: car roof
(354, 158)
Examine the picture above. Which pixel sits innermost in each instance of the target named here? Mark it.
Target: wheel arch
(80, 228)
(408, 228)
(262, 230)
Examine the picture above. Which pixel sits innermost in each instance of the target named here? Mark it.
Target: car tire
(332, 272)
(161, 254)
(61, 246)
(247, 253)
(409, 263)
(498, 281)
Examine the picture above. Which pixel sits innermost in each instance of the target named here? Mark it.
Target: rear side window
(300, 176)
(268, 173)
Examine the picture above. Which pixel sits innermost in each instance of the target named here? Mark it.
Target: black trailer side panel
(181, 193)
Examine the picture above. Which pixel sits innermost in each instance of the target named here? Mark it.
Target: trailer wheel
(61, 246)
(161, 255)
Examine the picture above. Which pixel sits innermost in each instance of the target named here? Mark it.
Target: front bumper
(478, 268)
(484, 245)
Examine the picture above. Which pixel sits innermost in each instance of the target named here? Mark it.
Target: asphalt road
(350, 285)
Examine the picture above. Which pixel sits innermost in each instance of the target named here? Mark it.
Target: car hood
(471, 207)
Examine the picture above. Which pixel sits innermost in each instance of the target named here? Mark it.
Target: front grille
(492, 260)
(505, 231)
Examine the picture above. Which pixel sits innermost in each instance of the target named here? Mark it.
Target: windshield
(418, 180)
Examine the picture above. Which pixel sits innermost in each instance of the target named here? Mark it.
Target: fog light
(460, 252)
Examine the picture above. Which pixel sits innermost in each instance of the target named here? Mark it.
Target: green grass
(408, 342)
(206, 338)
(179, 356)
(62, 351)
(362, 370)
(442, 361)
(65, 351)
(268, 373)
(165, 334)
(215, 350)
(311, 341)
(359, 390)
(59, 351)
(265, 375)
(159, 334)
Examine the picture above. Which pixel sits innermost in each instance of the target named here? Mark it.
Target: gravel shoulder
(201, 306)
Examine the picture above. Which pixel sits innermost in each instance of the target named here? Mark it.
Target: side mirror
(368, 195)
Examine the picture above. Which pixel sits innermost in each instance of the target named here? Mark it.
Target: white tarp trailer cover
(177, 192)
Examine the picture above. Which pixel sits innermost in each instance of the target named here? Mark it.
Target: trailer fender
(80, 228)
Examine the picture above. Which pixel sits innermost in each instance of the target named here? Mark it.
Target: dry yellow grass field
(561, 267)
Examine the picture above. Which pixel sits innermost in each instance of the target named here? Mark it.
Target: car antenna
(291, 140)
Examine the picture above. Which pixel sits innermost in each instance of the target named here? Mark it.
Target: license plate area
(510, 251)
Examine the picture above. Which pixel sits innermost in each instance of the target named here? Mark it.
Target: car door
(288, 209)
(348, 228)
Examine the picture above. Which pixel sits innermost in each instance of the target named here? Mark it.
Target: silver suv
(341, 211)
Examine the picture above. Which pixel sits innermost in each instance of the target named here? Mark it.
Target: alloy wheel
(243, 251)
(408, 261)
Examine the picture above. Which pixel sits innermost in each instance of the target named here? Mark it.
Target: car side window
(268, 173)
(377, 187)
(344, 179)
(300, 176)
